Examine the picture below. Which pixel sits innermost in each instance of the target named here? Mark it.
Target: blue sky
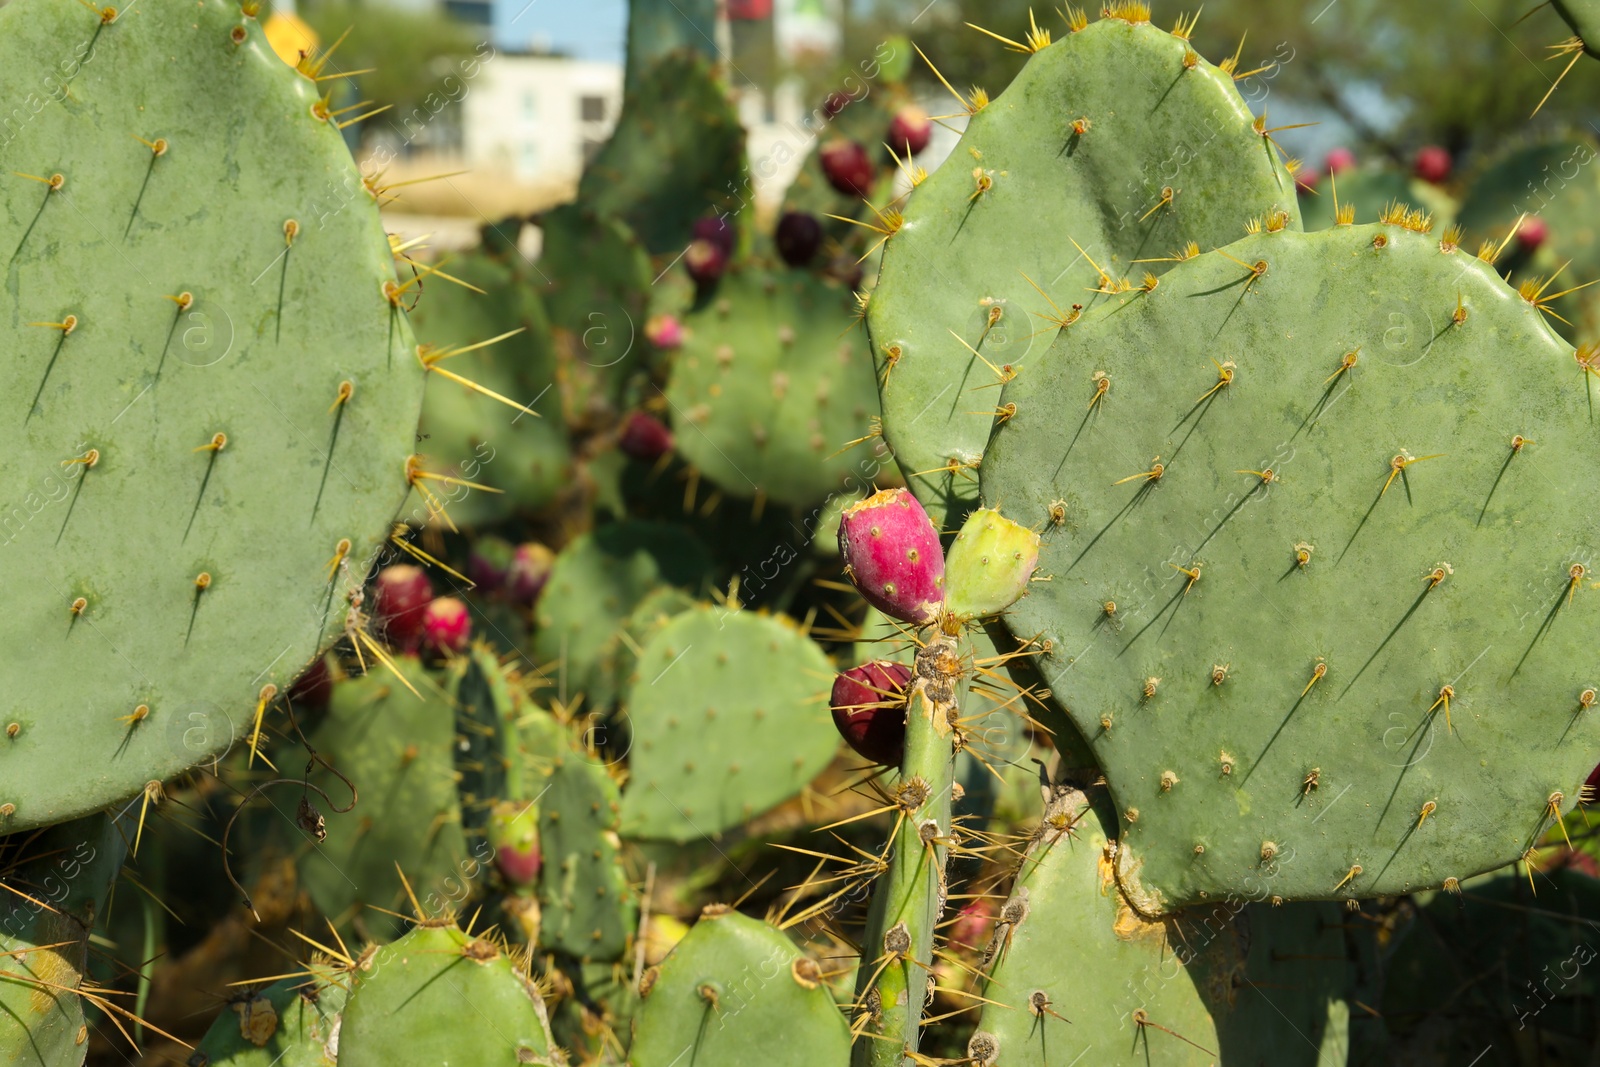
(588, 29)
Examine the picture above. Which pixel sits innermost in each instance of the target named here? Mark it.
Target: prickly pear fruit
(530, 569)
(706, 261)
(313, 688)
(1533, 233)
(1432, 164)
(446, 624)
(910, 131)
(489, 562)
(893, 553)
(644, 437)
(869, 710)
(848, 167)
(989, 566)
(798, 237)
(718, 230)
(665, 332)
(514, 834)
(1339, 160)
(400, 597)
(971, 928)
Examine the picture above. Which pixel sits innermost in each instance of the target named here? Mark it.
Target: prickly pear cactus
(211, 410)
(399, 750)
(1319, 589)
(1239, 981)
(1119, 137)
(293, 1022)
(523, 458)
(676, 155)
(595, 584)
(1584, 18)
(1366, 191)
(54, 884)
(729, 714)
(660, 27)
(435, 973)
(738, 991)
(589, 911)
(771, 387)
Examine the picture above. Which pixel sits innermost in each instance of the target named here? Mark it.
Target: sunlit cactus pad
(193, 486)
(1317, 526)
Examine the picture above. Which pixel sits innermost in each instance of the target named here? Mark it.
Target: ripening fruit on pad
(207, 440)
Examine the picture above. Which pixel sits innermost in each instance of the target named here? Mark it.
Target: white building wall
(536, 116)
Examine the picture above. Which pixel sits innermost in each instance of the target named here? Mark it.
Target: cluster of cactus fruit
(1232, 519)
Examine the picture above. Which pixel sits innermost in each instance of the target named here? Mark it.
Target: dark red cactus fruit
(644, 437)
(488, 562)
(848, 167)
(313, 688)
(717, 230)
(447, 625)
(1432, 164)
(893, 554)
(835, 103)
(973, 924)
(1532, 234)
(400, 597)
(514, 835)
(798, 237)
(705, 261)
(909, 131)
(1338, 161)
(530, 570)
(869, 710)
(665, 332)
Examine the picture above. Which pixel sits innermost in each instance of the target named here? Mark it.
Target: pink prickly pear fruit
(989, 565)
(530, 570)
(1432, 164)
(644, 437)
(489, 562)
(798, 237)
(665, 332)
(892, 551)
(1533, 233)
(313, 688)
(869, 710)
(514, 835)
(848, 167)
(717, 230)
(1339, 160)
(400, 597)
(447, 625)
(910, 131)
(973, 923)
(705, 261)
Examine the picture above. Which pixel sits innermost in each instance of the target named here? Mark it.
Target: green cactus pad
(589, 910)
(594, 585)
(1584, 18)
(1235, 982)
(729, 712)
(619, 658)
(677, 155)
(437, 998)
(772, 383)
(473, 436)
(960, 257)
(1328, 543)
(294, 1022)
(66, 872)
(660, 27)
(110, 501)
(1369, 190)
(484, 747)
(738, 991)
(399, 751)
(594, 277)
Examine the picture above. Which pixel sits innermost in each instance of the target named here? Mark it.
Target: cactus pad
(660, 27)
(1584, 18)
(1153, 117)
(738, 991)
(729, 712)
(292, 1023)
(1319, 564)
(589, 910)
(770, 386)
(204, 306)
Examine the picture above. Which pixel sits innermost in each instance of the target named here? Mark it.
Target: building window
(592, 108)
(530, 105)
